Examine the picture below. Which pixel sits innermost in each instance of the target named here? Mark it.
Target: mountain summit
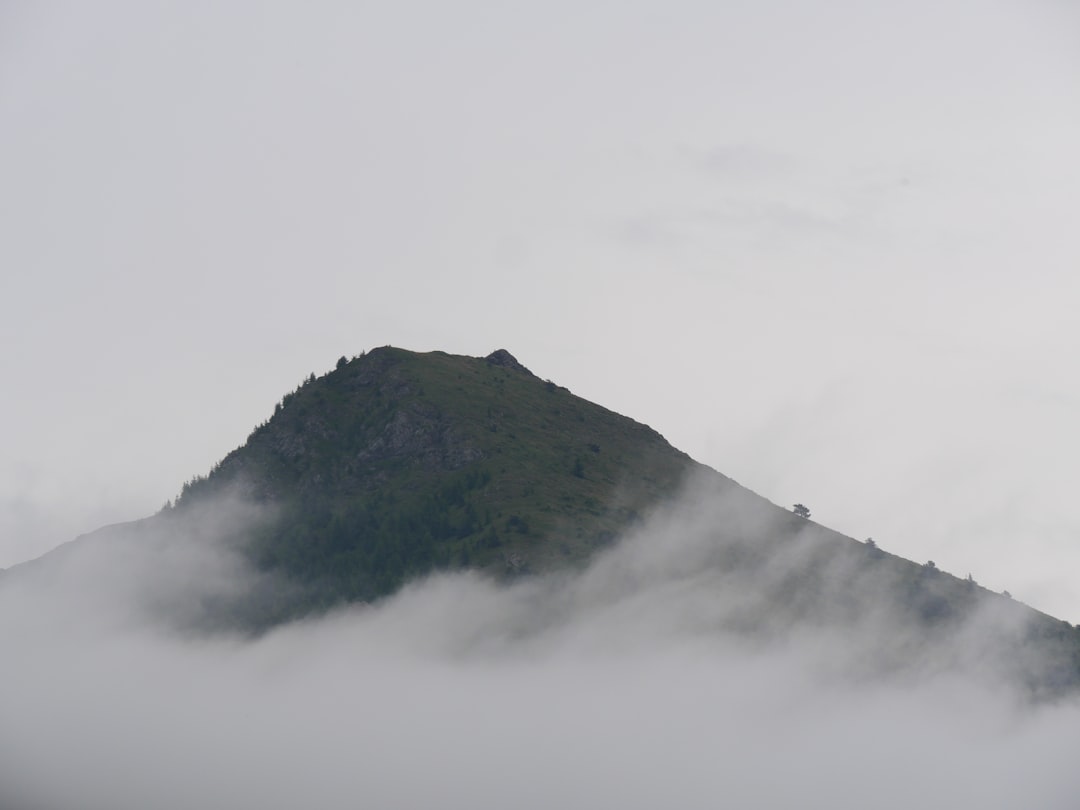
(396, 462)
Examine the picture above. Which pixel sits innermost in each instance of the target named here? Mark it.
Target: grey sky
(826, 248)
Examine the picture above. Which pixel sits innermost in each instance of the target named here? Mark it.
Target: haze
(828, 249)
(626, 685)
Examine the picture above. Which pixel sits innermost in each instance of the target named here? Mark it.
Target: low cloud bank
(660, 675)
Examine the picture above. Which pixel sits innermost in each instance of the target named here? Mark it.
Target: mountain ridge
(396, 464)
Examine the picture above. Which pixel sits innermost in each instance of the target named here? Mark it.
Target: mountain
(396, 463)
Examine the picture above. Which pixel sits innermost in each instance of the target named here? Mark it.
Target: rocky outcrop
(503, 359)
(418, 431)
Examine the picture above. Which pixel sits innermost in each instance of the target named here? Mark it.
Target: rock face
(419, 431)
(503, 359)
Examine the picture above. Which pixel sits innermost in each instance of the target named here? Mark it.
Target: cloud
(632, 683)
(740, 161)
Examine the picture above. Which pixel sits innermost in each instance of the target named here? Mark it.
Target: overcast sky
(828, 249)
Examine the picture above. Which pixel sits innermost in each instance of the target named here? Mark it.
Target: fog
(629, 684)
(828, 250)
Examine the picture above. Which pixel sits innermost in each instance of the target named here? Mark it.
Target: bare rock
(503, 359)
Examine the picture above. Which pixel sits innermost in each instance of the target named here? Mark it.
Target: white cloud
(625, 685)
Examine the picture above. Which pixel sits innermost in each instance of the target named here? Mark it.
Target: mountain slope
(397, 463)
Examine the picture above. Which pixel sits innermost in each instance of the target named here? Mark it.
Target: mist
(659, 674)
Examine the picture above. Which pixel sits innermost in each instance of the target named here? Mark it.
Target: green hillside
(396, 463)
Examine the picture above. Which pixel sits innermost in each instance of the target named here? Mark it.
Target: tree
(800, 510)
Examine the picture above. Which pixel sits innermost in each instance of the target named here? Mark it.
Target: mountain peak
(397, 462)
(503, 359)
